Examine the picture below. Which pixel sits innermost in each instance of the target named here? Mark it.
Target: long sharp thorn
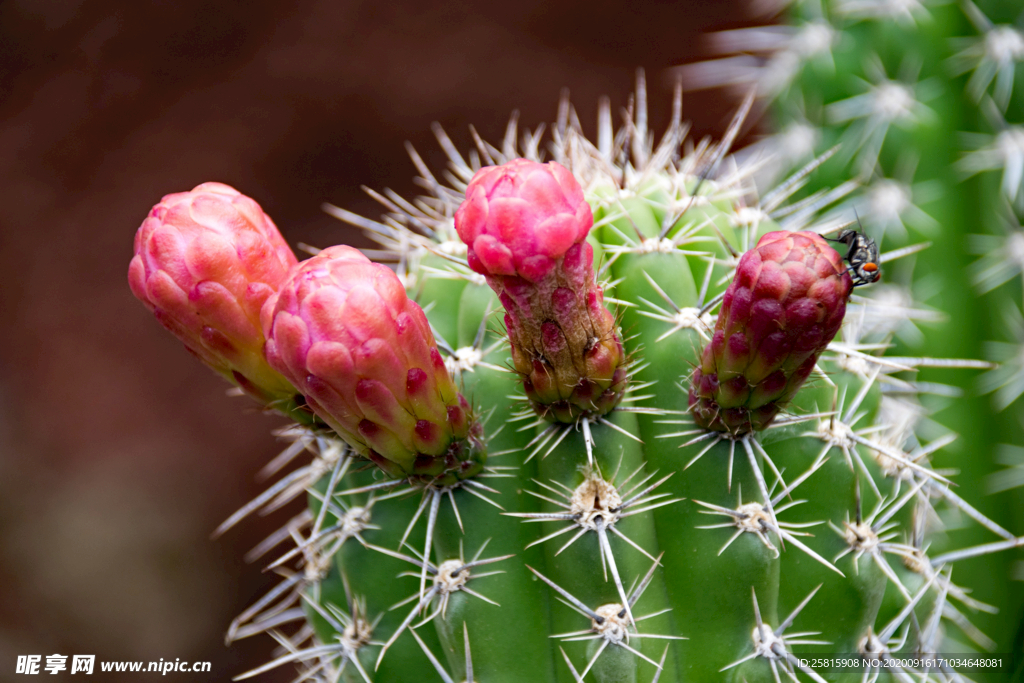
(978, 550)
(660, 291)
(780, 629)
(486, 561)
(612, 425)
(257, 607)
(285, 457)
(761, 484)
(732, 455)
(768, 459)
(893, 509)
(703, 451)
(424, 601)
(264, 625)
(299, 521)
(470, 591)
(859, 398)
(469, 656)
(934, 619)
(575, 603)
(561, 437)
(737, 534)
(260, 500)
(572, 540)
(412, 523)
(604, 559)
(552, 535)
(790, 538)
(891, 627)
(853, 454)
(661, 666)
(883, 564)
(399, 556)
(478, 553)
(970, 511)
(799, 480)
(478, 341)
(711, 304)
(289, 555)
(455, 509)
(588, 440)
(435, 503)
(359, 667)
(705, 284)
(632, 499)
(622, 484)
(600, 649)
(481, 496)
(646, 581)
(575, 674)
(628, 540)
(292, 657)
(858, 502)
(899, 457)
(782, 191)
(371, 487)
(655, 506)
(606, 550)
(637, 653)
(337, 473)
(738, 662)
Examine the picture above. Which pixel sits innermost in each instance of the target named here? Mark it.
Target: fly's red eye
(870, 267)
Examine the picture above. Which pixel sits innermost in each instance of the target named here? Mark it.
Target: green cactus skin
(668, 228)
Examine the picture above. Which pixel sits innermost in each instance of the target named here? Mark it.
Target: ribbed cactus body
(645, 541)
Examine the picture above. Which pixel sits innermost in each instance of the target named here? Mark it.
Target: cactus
(603, 532)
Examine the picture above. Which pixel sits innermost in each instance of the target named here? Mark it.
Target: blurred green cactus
(920, 100)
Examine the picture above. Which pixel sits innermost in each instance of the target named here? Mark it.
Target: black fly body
(861, 256)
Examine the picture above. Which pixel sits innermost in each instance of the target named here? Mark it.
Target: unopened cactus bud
(526, 225)
(205, 263)
(344, 332)
(783, 308)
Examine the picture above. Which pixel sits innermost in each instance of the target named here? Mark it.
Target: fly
(861, 256)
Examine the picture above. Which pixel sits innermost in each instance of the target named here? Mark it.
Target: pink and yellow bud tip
(525, 225)
(205, 263)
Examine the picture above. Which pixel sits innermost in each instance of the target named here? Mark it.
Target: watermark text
(87, 664)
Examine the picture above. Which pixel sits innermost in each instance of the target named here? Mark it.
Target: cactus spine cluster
(616, 541)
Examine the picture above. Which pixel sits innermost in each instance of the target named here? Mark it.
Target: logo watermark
(86, 664)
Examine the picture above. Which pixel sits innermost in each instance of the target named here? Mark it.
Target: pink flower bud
(344, 332)
(521, 217)
(205, 263)
(780, 312)
(526, 225)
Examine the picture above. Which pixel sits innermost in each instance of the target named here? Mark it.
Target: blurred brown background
(118, 452)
